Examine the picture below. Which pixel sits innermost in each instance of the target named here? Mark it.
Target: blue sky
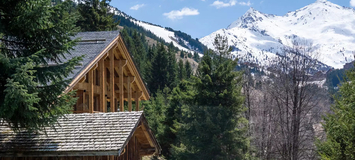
(202, 17)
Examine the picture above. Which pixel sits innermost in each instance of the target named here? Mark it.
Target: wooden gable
(111, 77)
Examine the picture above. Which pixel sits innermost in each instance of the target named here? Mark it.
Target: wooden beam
(102, 70)
(122, 63)
(147, 135)
(137, 97)
(83, 79)
(129, 92)
(84, 100)
(122, 48)
(125, 80)
(91, 91)
(112, 81)
(86, 87)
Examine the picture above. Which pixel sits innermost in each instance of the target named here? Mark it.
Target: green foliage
(340, 125)
(94, 16)
(155, 110)
(179, 98)
(181, 70)
(182, 54)
(213, 126)
(196, 57)
(163, 69)
(188, 70)
(334, 79)
(34, 39)
(189, 55)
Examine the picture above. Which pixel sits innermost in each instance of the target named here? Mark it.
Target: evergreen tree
(140, 52)
(94, 16)
(213, 126)
(182, 54)
(181, 96)
(172, 67)
(34, 39)
(163, 69)
(154, 110)
(181, 70)
(339, 126)
(151, 52)
(196, 57)
(188, 69)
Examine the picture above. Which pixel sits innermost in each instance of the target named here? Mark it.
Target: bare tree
(295, 100)
(285, 110)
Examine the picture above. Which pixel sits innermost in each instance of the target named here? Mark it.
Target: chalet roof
(91, 45)
(94, 133)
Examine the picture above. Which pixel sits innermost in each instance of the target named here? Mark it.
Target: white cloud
(138, 6)
(219, 4)
(245, 3)
(352, 3)
(179, 14)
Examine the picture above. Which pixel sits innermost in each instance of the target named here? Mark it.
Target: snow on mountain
(161, 32)
(256, 36)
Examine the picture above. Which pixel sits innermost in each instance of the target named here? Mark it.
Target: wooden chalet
(106, 80)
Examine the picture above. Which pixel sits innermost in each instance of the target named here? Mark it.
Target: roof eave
(59, 153)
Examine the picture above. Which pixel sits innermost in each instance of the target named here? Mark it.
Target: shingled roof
(91, 45)
(84, 133)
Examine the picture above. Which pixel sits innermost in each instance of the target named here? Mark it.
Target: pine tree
(213, 126)
(95, 16)
(196, 57)
(180, 97)
(339, 126)
(140, 52)
(181, 70)
(163, 70)
(188, 69)
(34, 39)
(172, 67)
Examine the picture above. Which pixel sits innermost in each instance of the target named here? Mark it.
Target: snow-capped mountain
(256, 36)
(184, 43)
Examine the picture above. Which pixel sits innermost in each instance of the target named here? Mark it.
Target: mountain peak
(250, 16)
(259, 36)
(251, 10)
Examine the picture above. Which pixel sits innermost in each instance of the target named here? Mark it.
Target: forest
(219, 109)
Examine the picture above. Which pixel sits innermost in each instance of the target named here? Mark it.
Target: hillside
(257, 36)
(179, 39)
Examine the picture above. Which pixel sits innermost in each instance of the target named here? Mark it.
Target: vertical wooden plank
(103, 107)
(120, 74)
(84, 100)
(112, 81)
(136, 99)
(127, 151)
(91, 91)
(129, 89)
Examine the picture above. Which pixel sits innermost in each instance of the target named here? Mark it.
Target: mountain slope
(179, 39)
(256, 36)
